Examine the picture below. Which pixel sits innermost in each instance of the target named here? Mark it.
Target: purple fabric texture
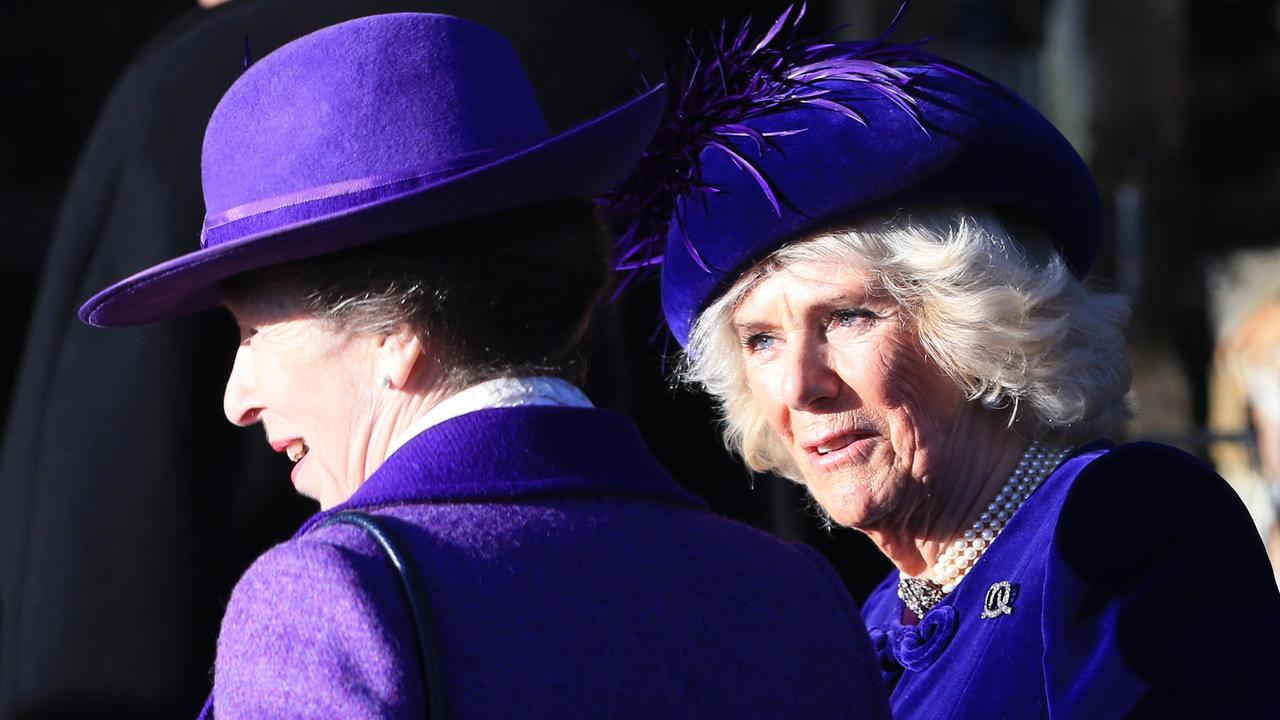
(1143, 592)
(366, 130)
(568, 576)
(980, 144)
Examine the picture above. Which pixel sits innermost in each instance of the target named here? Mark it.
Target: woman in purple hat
(875, 261)
(413, 264)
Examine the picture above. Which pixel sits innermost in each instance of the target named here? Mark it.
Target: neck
(950, 498)
(400, 409)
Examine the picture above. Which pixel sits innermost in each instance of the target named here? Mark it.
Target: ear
(396, 354)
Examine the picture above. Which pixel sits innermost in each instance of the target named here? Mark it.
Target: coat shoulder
(307, 610)
(1153, 558)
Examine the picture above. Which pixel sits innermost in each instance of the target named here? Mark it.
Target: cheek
(764, 384)
(925, 400)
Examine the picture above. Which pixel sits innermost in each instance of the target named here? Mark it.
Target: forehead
(804, 284)
(263, 303)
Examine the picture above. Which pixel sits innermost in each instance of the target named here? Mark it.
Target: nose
(809, 381)
(240, 401)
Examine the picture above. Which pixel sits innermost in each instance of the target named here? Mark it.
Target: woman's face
(313, 390)
(841, 379)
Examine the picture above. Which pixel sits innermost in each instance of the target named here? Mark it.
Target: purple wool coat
(568, 576)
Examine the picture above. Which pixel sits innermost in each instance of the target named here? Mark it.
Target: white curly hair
(1004, 318)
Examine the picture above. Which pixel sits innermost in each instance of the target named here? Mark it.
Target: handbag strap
(419, 615)
(427, 651)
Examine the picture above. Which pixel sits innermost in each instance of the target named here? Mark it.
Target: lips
(835, 448)
(295, 449)
(830, 443)
(833, 445)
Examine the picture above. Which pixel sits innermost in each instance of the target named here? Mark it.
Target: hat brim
(583, 161)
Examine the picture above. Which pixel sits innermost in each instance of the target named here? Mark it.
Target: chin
(843, 501)
(847, 499)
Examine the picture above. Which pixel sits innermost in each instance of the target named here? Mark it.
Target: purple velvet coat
(1143, 591)
(568, 576)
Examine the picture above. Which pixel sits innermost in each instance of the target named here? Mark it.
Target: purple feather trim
(736, 80)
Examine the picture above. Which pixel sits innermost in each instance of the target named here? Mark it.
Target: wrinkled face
(838, 374)
(312, 389)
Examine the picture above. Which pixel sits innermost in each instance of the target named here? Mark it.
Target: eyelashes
(754, 342)
(848, 316)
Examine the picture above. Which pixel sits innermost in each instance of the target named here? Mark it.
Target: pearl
(1034, 465)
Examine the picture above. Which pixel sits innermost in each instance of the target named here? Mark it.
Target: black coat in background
(128, 505)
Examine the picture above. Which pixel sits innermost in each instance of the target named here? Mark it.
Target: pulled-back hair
(505, 294)
(998, 311)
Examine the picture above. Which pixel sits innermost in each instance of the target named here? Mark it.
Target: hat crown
(973, 143)
(385, 96)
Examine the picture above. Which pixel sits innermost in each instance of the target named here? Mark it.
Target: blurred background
(128, 507)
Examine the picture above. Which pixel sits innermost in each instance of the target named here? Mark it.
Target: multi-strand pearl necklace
(1035, 465)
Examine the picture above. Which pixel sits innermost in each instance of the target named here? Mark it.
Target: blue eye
(847, 317)
(757, 342)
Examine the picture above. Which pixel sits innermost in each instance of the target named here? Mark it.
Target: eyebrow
(750, 327)
(819, 306)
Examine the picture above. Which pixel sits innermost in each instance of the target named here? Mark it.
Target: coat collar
(505, 454)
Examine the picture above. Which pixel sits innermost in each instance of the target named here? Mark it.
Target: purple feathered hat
(769, 137)
(366, 130)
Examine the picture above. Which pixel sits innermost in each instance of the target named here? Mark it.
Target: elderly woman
(875, 263)
(413, 266)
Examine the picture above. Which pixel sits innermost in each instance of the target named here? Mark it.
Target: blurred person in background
(414, 260)
(876, 262)
(1245, 385)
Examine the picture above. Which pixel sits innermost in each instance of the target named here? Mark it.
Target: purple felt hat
(366, 130)
(771, 138)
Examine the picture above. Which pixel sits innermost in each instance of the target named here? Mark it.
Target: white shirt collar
(496, 393)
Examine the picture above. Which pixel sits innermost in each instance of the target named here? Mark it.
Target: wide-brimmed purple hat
(771, 138)
(367, 130)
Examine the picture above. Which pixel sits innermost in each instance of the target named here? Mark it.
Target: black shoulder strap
(419, 615)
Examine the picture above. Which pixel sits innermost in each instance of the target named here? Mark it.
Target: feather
(735, 80)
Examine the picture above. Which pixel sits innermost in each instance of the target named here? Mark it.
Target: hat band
(312, 203)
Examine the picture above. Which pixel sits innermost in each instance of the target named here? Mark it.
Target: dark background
(1172, 102)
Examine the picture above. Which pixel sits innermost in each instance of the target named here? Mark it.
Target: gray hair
(506, 294)
(1004, 319)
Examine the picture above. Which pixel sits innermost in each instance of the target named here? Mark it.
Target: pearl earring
(384, 382)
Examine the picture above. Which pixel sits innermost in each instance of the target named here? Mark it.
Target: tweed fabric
(568, 576)
(1143, 591)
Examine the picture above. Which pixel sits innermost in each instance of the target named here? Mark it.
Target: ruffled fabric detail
(890, 668)
(913, 647)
